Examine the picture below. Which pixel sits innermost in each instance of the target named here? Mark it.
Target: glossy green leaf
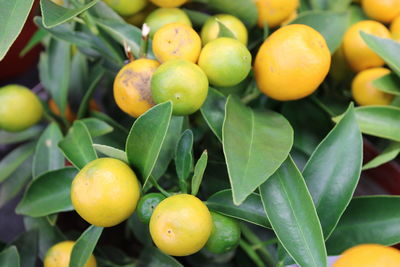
(84, 246)
(12, 186)
(48, 155)
(371, 219)
(184, 155)
(7, 138)
(389, 83)
(97, 127)
(49, 193)
(79, 76)
(213, 111)
(333, 170)
(14, 159)
(153, 257)
(245, 10)
(111, 152)
(77, 146)
(388, 154)
(199, 172)
(35, 40)
(251, 210)
(224, 31)
(255, 145)
(332, 25)
(339, 5)
(319, 4)
(104, 117)
(54, 14)
(387, 49)
(27, 245)
(146, 137)
(13, 15)
(49, 235)
(380, 121)
(293, 217)
(9, 257)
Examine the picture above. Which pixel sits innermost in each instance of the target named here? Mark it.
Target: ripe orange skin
(292, 63)
(381, 10)
(357, 53)
(59, 255)
(369, 255)
(132, 91)
(365, 93)
(274, 12)
(176, 41)
(69, 114)
(168, 3)
(395, 28)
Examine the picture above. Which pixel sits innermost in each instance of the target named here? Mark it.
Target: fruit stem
(322, 106)
(155, 183)
(251, 253)
(145, 41)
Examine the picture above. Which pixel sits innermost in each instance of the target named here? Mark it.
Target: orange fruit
(395, 28)
(381, 10)
(59, 255)
(274, 12)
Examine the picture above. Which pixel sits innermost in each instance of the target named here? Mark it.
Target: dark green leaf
(372, 219)
(146, 137)
(9, 257)
(47, 155)
(199, 172)
(153, 257)
(97, 127)
(389, 83)
(35, 40)
(387, 49)
(111, 152)
(49, 193)
(13, 15)
(84, 246)
(14, 159)
(293, 217)
(213, 111)
(387, 155)
(78, 146)
(197, 18)
(332, 25)
(7, 138)
(139, 230)
(319, 4)
(251, 210)
(255, 145)
(79, 75)
(184, 155)
(224, 31)
(245, 10)
(333, 170)
(27, 245)
(54, 14)
(380, 121)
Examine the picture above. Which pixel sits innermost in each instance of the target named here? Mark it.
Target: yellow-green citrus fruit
(105, 192)
(58, 2)
(138, 18)
(168, 3)
(292, 62)
(19, 108)
(369, 255)
(132, 91)
(163, 16)
(180, 225)
(381, 10)
(210, 29)
(126, 7)
(225, 234)
(395, 29)
(365, 93)
(357, 53)
(59, 255)
(182, 82)
(176, 41)
(225, 61)
(274, 12)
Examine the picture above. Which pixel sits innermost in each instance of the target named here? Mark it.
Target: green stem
(250, 97)
(253, 239)
(90, 23)
(265, 243)
(155, 183)
(251, 253)
(321, 105)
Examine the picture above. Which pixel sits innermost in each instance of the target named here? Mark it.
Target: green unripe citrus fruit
(126, 7)
(163, 16)
(147, 204)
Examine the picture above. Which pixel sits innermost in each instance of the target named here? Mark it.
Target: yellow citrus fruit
(210, 29)
(369, 255)
(290, 18)
(59, 255)
(138, 18)
(176, 40)
(180, 225)
(132, 91)
(182, 82)
(168, 3)
(274, 12)
(126, 7)
(105, 192)
(163, 16)
(225, 61)
(357, 53)
(395, 28)
(69, 114)
(19, 108)
(365, 93)
(381, 10)
(58, 2)
(292, 62)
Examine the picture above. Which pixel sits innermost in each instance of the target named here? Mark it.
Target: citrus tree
(212, 132)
